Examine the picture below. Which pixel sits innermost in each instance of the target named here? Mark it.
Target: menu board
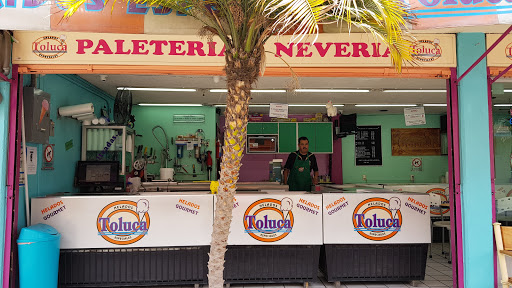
(368, 149)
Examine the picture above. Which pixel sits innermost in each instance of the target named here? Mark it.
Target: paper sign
(190, 146)
(278, 110)
(415, 116)
(31, 160)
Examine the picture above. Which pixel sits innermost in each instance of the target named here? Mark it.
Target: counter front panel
(376, 218)
(276, 219)
(128, 221)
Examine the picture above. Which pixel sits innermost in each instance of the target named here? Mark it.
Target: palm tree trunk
(242, 70)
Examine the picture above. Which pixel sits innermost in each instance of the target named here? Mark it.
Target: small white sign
(278, 110)
(190, 146)
(415, 116)
(31, 160)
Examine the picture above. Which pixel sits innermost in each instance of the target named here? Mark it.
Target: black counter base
(272, 264)
(133, 267)
(373, 262)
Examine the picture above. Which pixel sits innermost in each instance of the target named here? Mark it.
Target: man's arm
(315, 178)
(285, 176)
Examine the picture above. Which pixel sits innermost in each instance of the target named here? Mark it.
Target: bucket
(167, 174)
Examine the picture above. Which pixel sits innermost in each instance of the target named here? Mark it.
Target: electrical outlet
(412, 178)
(364, 177)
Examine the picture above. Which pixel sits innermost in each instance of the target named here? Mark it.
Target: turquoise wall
(475, 170)
(65, 90)
(4, 132)
(394, 169)
(148, 117)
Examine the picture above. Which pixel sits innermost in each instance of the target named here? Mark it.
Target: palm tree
(244, 26)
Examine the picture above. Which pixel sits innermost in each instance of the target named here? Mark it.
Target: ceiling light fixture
(385, 105)
(502, 105)
(507, 90)
(415, 91)
(164, 104)
(333, 90)
(253, 91)
(157, 89)
(435, 105)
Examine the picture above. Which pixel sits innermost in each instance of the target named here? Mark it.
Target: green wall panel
(287, 137)
(254, 128)
(323, 139)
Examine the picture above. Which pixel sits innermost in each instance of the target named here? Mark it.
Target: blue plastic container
(38, 251)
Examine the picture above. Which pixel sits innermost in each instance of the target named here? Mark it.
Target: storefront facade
(330, 55)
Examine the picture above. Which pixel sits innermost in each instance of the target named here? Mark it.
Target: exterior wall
(475, 164)
(4, 132)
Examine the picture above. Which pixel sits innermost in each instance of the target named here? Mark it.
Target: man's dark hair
(303, 138)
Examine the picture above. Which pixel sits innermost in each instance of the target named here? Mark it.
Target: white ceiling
(204, 83)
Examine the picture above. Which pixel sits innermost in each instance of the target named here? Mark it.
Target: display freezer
(375, 236)
(149, 239)
(274, 238)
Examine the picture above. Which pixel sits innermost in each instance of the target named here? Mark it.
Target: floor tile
(442, 277)
(448, 283)
(396, 285)
(433, 283)
(375, 285)
(355, 285)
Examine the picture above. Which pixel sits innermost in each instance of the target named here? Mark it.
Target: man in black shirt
(298, 167)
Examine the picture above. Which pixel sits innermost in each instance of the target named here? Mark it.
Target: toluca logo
(508, 52)
(426, 50)
(49, 47)
(444, 200)
(269, 220)
(124, 222)
(378, 219)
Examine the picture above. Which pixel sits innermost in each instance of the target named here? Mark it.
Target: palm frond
(300, 16)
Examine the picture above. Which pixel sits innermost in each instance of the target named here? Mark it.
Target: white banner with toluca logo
(376, 218)
(291, 218)
(329, 50)
(443, 190)
(147, 220)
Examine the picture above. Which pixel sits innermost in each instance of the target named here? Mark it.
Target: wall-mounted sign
(31, 160)
(329, 50)
(48, 154)
(278, 110)
(188, 119)
(414, 116)
(416, 164)
(368, 146)
(415, 141)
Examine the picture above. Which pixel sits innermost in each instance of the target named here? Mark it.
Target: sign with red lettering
(330, 50)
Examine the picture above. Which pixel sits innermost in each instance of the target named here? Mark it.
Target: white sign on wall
(146, 220)
(31, 160)
(276, 219)
(415, 116)
(376, 218)
(278, 110)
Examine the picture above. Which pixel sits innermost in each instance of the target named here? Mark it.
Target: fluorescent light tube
(507, 90)
(416, 90)
(253, 91)
(163, 104)
(250, 105)
(502, 105)
(385, 105)
(289, 105)
(435, 105)
(333, 90)
(157, 89)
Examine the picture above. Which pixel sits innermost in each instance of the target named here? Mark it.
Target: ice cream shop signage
(335, 50)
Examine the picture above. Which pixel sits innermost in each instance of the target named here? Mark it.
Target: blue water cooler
(38, 254)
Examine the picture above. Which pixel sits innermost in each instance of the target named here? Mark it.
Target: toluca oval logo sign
(426, 50)
(378, 219)
(49, 47)
(124, 222)
(269, 220)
